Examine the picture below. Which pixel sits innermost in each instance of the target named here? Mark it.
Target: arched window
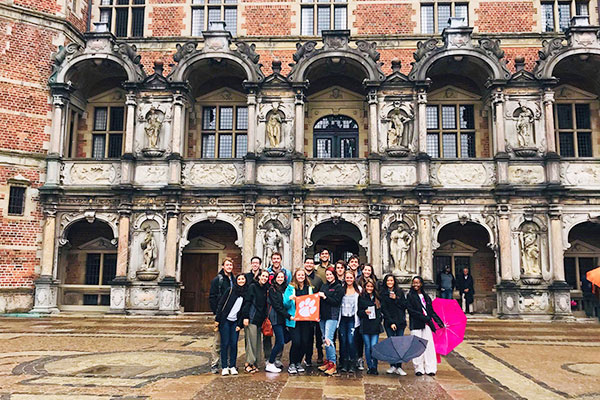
(336, 136)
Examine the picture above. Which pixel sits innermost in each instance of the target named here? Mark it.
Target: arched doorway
(87, 264)
(465, 245)
(582, 256)
(341, 238)
(209, 243)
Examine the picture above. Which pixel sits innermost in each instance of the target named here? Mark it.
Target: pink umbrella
(455, 321)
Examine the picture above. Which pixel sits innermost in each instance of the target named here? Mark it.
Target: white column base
(46, 296)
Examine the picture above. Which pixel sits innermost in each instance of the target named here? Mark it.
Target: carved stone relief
(335, 174)
(153, 126)
(212, 174)
(273, 235)
(536, 302)
(397, 128)
(147, 249)
(526, 174)
(462, 174)
(153, 130)
(580, 174)
(529, 248)
(524, 127)
(402, 175)
(274, 130)
(98, 173)
(144, 297)
(274, 174)
(151, 175)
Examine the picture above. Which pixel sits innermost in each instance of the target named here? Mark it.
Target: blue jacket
(290, 305)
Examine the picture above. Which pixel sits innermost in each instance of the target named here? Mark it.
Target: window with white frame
(573, 129)
(224, 131)
(435, 16)
(125, 18)
(451, 131)
(319, 15)
(107, 133)
(206, 11)
(556, 15)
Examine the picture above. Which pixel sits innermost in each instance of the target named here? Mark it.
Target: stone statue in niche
(525, 127)
(399, 133)
(148, 270)
(152, 129)
(274, 129)
(400, 241)
(530, 251)
(273, 243)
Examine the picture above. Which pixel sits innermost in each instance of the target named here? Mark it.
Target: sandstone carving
(273, 242)
(530, 250)
(525, 127)
(335, 174)
(398, 175)
(210, 174)
(400, 241)
(274, 129)
(526, 174)
(274, 174)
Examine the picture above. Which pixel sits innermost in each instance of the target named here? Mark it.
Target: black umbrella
(399, 349)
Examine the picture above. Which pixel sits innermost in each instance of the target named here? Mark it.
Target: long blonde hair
(295, 282)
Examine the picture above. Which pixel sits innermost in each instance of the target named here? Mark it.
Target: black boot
(352, 366)
(344, 365)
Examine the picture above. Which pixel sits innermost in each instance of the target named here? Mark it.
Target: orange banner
(307, 308)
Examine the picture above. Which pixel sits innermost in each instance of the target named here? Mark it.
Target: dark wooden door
(197, 271)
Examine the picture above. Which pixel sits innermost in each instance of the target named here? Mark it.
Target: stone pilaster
(423, 158)
(559, 289)
(552, 158)
(507, 291)
(60, 102)
(118, 287)
(375, 235)
(500, 155)
(297, 234)
(373, 131)
(250, 159)
(249, 232)
(299, 120)
(46, 286)
(127, 161)
(169, 288)
(425, 240)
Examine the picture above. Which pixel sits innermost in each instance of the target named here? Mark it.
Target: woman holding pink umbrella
(421, 325)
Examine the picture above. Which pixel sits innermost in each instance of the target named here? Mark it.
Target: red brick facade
(384, 19)
(167, 21)
(505, 16)
(268, 20)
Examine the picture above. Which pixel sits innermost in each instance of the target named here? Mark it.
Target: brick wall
(47, 6)
(268, 20)
(384, 19)
(167, 21)
(505, 16)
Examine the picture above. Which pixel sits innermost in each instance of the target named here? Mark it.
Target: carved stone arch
(181, 71)
(463, 218)
(556, 51)
(133, 71)
(571, 220)
(496, 69)
(158, 218)
(189, 220)
(372, 70)
(68, 219)
(359, 220)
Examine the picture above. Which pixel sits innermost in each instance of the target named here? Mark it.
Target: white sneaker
(400, 372)
(272, 368)
(233, 371)
(225, 371)
(391, 370)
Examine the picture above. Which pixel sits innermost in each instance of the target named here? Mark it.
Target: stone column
(552, 157)
(177, 141)
(127, 162)
(249, 232)
(375, 238)
(169, 287)
(500, 138)
(46, 287)
(59, 103)
(373, 131)
(507, 291)
(250, 159)
(425, 239)
(298, 161)
(422, 157)
(297, 233)
(118, 287)
(559, 289)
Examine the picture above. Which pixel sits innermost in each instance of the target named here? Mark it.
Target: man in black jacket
(219, 285)
(316, 335)
(255, 264)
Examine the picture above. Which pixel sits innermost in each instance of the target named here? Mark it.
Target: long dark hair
(240, 290)
(384, 285)
(362, 279)
(276, 286)
(375, 293)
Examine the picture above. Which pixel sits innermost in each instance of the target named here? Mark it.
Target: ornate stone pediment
(581, 248)
(568, 92)
(335, 93)
(202, 243)
(452, 92)
(456, 246)
(98, 244)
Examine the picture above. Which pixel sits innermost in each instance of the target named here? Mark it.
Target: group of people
(355, 308)
(463, 283)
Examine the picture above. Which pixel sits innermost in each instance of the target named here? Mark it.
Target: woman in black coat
(422, 319)
(331, 294)
(464, 284)
(277, 315)
(369, 312)
(393, 308)
(228, 320)
(254, 312)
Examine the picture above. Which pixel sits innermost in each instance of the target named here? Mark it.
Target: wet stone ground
(111, 357)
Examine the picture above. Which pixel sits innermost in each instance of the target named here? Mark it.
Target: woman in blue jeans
(348, 322)
(229, 323)
(393, 308)
(369, 311)
(331, 294)
(278, 316)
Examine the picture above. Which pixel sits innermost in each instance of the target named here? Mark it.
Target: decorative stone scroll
(337, 174)
(212, 174)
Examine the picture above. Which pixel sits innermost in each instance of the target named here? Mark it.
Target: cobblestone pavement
(109, 357)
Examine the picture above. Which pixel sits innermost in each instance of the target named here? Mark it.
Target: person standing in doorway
(422, 325)
(393, 308)
(254, 313)
(229, 323)
(464, 285)
(219, 285)
(316, 335)
(446, 283)
(252, 275)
